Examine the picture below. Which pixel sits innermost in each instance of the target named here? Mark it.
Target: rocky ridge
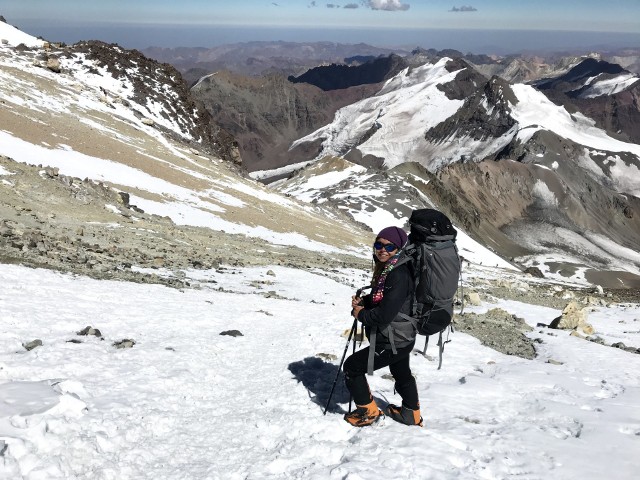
(49, 220)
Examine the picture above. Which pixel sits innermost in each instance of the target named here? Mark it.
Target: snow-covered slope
(14, 37)
(604, 85)
(187, 402)
(602, 154)
(84, 111)
(391, 124)
(375, 200)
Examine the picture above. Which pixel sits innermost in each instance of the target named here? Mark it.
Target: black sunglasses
(388, 247)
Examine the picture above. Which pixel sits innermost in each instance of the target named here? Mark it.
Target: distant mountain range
(292, 58)
(538, 161)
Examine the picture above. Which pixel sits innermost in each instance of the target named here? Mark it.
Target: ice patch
(541, 192)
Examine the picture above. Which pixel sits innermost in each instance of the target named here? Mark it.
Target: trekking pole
(353, 332)
(355, 335)
(344, 354)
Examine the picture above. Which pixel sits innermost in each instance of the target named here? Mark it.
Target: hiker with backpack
(392, 290)
(414, 283)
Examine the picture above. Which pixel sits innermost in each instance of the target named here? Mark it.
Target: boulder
(5, 230)
(124, 343)
(534, 272)
(232, 333)
(53, 64)
(89, 331)
(473, 298)
(32, 344)
(573, 317)
(123, 198)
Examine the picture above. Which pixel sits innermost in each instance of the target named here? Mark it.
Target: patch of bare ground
(53, 221)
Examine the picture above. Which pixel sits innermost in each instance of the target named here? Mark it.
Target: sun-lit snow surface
(608, 86)
(15, 37)
(185, 402)
(407, 106)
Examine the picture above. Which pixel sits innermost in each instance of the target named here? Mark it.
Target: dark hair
(378, 267)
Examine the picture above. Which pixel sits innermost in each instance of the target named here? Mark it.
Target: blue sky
(351, 17)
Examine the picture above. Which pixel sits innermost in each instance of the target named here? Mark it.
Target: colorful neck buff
(378, 290)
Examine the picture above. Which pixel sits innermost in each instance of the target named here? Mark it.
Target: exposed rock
(263, 116)
(534, 272)
(232, 333)
(124, 343)
(124, 198)
(5, 230)
(572, 316)
(473, 298)
(499, 330)
(52, 171)
(32, 344)
(335, 77)
(53, 64)
(594, 301)
(89, 331)
(271, 273)
(587, 329)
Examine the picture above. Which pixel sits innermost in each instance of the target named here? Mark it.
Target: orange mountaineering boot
(364, 415)
(405, 415)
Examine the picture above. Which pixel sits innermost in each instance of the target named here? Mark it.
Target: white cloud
(390, 5)
(464, 8)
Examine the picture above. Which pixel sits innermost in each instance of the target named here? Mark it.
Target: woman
(391, 338)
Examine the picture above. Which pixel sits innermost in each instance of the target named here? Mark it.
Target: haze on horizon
(474, 26)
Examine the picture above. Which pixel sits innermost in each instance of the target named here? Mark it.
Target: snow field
(185, 402)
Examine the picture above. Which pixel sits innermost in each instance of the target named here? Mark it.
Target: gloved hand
(356, 306)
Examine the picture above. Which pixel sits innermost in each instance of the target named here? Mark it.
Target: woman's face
(381, 253)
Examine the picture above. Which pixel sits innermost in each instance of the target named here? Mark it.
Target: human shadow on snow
(317, 376)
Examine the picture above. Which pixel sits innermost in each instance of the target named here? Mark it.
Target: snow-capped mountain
(604, 92)
(556, 172)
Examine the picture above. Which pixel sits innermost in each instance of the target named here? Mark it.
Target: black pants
(355, 368)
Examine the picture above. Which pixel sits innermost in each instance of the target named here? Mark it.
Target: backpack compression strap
(372, 346)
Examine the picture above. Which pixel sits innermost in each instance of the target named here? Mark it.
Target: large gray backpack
(435, 264)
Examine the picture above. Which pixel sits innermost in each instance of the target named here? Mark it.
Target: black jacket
(398, 290)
